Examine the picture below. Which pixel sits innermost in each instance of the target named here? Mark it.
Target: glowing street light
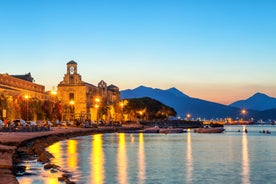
(244, 112)
(27, 101)
(97, 117)
(97, 100)
(122, 110)
(188, 116)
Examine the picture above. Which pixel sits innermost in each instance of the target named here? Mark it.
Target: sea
(136, 158)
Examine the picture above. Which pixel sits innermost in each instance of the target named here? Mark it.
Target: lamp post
(188, 116)
(122, 111)
(54, 94)
(97, 117)
(97, 100)
(27, 104)
(243, 112)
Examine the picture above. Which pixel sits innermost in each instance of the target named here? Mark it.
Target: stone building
(82, 100)
(14, 88)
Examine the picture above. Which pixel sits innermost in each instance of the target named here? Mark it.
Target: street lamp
(188, 116)
(27, 102)
(243, 112)
(97, 117)
(54, 95)
(97, 104)
(122, 111)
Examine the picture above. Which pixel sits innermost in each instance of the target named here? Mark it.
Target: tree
(148, 108)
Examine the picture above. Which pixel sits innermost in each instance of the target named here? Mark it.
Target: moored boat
(208, 129)
(171, 130)
(154, 129)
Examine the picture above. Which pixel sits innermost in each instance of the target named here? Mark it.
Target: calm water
(230, 157)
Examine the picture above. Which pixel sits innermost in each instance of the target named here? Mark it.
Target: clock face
(71, 70)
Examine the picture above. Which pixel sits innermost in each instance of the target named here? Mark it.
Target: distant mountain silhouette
(258, 101)
(182, 103)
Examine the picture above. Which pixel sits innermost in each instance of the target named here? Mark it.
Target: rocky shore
(16, 146)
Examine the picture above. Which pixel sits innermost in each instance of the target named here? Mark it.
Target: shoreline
(17, 146)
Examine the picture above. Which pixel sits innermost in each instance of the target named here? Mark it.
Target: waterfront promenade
(11, 142)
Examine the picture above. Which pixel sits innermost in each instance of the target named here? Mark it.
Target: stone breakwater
(15, 146)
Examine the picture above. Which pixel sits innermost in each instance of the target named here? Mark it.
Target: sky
(216, 50)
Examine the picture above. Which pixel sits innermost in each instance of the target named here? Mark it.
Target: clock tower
(72, 67)
(72, 77)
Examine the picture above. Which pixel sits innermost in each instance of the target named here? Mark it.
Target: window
(71, 96)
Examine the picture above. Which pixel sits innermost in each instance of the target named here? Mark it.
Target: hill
(182, 103)
(258, 101)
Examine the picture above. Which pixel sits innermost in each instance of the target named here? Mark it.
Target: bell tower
(72, 67)
(72, 77)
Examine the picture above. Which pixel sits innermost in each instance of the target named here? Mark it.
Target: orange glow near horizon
(97, 160)
(122, 160)
(141, 160)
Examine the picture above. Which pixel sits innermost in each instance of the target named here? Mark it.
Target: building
(82, 100)
(14, 89)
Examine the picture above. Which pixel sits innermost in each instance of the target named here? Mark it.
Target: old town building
(17, 88)
(81, 100)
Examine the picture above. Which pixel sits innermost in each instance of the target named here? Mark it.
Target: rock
(19, 168)
(51, 166)
(44, 157)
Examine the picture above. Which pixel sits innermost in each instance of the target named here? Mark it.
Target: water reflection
(141, 160)
(97, 160)
(72, 154)
(245, 160)
(189, 158)
(51, 180)
(122, 160)
(56, 150)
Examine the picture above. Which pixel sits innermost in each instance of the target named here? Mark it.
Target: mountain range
(258, 101)
(259, 106)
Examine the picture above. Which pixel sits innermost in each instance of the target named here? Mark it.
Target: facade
(17, 88)
(82, 100)
(21, 85)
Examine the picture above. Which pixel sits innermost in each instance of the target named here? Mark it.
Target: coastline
(15, 146)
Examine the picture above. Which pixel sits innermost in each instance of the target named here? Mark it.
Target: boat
(171, 130)
(208, 129)
(154, 129)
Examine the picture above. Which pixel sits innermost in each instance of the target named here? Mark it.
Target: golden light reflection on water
(189, 158)
(56, 150)
(122, 160)
(245, 160)
(141, 159)
(72, 157)
(51, 180)
(97, 160)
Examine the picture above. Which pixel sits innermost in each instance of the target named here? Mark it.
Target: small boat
(154, 129)
(171, 130)
(208, 129)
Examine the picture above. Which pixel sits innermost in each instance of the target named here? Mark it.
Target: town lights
(27, 104)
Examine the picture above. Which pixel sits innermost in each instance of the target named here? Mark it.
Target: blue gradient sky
(217, 50)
